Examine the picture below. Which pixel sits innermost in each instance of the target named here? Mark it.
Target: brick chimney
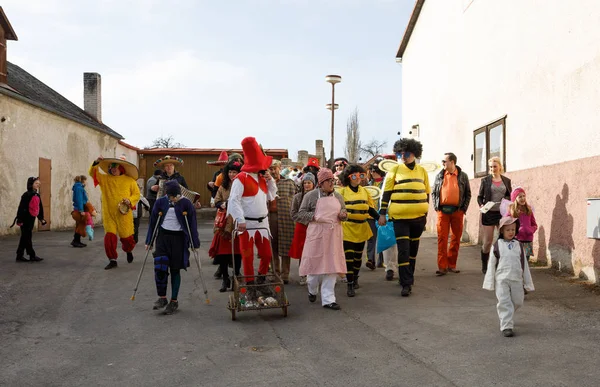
(6, 33)
(92, 95)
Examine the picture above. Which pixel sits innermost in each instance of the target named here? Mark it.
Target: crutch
(206, 299)
(146, 257)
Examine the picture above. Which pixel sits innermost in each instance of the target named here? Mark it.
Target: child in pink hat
(522, 211)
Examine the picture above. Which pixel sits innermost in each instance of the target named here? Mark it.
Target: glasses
(327, 181)
(355, 176)
(339, 165)
(404, 155)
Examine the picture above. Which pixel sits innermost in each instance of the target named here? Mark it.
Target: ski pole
(206, 299)
(146, 257)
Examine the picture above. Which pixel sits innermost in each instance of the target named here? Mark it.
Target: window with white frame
(489, 141)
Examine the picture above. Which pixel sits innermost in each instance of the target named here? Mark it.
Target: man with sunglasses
(406, 200)
(451, 198)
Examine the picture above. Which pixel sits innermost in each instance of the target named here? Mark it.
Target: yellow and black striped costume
(409, 190)
(405, 199)
(356, 229)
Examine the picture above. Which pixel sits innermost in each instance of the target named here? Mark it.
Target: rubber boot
(484, 261)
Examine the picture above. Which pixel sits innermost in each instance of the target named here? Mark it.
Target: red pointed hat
(222, 160)
(255, 158)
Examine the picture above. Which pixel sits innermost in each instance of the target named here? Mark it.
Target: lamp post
(333, 79)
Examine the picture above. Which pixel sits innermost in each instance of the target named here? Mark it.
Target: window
(489, 141)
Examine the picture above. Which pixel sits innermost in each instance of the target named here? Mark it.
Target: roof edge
(9, 32)
(42, 106)
(412, 22)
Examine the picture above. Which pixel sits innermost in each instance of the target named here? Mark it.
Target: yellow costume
(409, 192)
(114, 190)
(356, 228)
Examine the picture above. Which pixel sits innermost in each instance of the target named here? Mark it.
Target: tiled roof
(31, 90)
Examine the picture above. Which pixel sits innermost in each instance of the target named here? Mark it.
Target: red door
(46, 192)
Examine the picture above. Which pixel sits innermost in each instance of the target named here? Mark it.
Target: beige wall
(537, 64)
(31, 133)
(471, 62)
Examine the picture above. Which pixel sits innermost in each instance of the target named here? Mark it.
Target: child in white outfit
(508, 273)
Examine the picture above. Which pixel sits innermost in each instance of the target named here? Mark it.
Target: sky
(210, 73)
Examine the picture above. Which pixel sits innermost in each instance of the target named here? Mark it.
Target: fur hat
(324, 174)
(515, 193)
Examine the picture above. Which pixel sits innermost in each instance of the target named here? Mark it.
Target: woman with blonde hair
(494, 187)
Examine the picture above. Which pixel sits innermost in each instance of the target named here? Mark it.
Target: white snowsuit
(508, 278)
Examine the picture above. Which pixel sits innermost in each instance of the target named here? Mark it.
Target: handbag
(220, 219)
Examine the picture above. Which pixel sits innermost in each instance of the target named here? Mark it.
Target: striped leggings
(408, 235)
(353, 252)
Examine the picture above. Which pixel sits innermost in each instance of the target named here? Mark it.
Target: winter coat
(80, 197)
(527, 227)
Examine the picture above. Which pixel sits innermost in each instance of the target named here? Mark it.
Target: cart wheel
(232, 306)
(284, 309)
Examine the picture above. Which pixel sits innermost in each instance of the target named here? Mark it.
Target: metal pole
(332, 120)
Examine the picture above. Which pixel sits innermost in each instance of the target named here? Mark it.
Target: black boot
(218, 274)
(225, 284)
(350, 291)
(356, 286)
(484, 261)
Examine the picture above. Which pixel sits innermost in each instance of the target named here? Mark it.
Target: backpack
(497, 255)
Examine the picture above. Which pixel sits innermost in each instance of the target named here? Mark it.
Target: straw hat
(130, 169)
(160, 163)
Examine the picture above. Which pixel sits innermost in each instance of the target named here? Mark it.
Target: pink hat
(515, 193)
(505, 221)
(324, 174)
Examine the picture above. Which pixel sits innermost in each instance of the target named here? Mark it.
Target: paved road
(67, 322)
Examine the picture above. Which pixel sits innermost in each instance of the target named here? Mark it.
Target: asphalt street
(67, 322)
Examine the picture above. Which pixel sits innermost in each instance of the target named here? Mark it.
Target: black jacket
(464, 190)
(485, 189)
(176, 176)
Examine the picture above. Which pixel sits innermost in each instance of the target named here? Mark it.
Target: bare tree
(372, 148)
(166, 142)
(352, 147)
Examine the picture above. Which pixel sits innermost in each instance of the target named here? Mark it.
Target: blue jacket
(79, 197)
(183, 205)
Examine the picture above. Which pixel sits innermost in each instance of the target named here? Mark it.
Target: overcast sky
(213, 72)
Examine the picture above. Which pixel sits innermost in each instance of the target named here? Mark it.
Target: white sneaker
(302, 280)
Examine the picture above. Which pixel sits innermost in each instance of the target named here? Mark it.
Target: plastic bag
(386, 237)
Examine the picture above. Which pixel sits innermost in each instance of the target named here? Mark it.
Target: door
(46, 192)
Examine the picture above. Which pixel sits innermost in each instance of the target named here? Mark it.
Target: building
(44, 134)
(195, 169)
(519, 80)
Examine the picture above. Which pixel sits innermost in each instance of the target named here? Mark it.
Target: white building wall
(538, 63)
(29, 133)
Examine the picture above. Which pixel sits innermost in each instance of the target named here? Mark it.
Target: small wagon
(256, 292)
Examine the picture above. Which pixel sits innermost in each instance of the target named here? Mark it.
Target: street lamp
(333, 79)
(328, 106)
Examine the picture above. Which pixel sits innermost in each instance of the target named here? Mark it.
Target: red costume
(250, 192)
